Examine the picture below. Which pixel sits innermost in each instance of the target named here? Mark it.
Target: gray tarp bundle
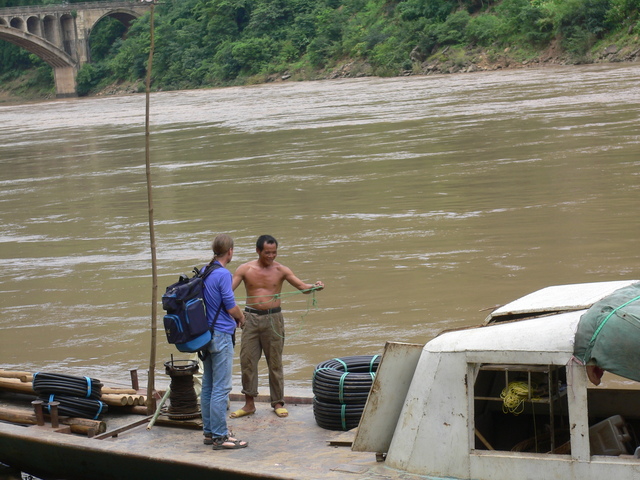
(609, 333)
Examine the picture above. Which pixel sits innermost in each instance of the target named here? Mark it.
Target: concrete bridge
(59, 34)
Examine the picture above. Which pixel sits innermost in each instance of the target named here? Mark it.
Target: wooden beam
(78, 425)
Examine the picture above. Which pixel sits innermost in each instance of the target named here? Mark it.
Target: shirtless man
(263, 330)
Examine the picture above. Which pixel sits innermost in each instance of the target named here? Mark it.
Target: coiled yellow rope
(514, 395)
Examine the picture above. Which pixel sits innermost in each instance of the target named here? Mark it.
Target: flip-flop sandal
(240, 413)
(281, 412)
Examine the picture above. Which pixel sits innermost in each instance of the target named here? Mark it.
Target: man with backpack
(264, 327)
(224, 315)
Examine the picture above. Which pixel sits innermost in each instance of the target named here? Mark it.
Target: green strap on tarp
(608, 333)
(595, 334)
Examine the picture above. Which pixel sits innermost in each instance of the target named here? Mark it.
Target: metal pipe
(134, 379)
(53, 411)
(37, 406)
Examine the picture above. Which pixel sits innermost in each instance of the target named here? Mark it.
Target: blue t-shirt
(217, 287)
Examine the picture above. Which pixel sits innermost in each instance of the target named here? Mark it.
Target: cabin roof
(547, 322)
(557, 298)
(553, 333)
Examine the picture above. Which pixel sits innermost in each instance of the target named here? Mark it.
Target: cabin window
(614, 419)
(521, 408)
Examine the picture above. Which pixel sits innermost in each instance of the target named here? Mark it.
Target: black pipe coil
(75, 406)
(58, 383)
(341, 387)
(337, 417)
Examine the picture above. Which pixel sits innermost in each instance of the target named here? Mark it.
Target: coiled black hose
(74, 406)
(77, 396)
(331, 416)
(58, 383)
(341, 387)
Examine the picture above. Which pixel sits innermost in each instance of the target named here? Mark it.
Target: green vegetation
(230, 42)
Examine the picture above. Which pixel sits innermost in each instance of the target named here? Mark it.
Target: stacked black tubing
(340, 388)
(77, 396)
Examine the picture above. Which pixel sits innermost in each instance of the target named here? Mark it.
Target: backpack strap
(204, 273)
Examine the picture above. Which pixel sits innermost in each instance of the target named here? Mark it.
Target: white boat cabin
(505, 400)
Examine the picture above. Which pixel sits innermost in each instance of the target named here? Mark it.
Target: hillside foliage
(203, 43)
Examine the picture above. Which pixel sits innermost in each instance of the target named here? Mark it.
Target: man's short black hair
(262, 239)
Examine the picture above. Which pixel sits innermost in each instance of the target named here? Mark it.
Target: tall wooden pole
(151, 402)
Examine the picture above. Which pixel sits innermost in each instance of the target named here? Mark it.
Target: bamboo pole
(114, 400)
(118, 391)
(119, 430)
(157, 413)
(152, 236)
(22, 376)
(16, 386)
(115, 397)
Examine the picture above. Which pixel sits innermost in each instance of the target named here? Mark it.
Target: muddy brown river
(421, 202)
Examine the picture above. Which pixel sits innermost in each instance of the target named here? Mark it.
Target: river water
(421, 202)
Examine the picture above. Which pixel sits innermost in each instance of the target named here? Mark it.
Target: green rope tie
(319, 369)
(341, 390)
(310, 302)
(281, 295)
(373, 359)
(343, 415)
(346, 369)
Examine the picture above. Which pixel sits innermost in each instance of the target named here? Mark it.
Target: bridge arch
(67, 29)
(49, 26)
(59, 34)
(123, 16)
(48, 52)
(17, 23)
(34, 25)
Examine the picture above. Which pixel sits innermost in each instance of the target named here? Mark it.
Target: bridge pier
(65, 80)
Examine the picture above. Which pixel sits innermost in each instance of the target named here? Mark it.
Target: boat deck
(293, 448)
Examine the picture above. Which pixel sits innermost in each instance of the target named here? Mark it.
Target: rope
(183, 399)
(514, 395)
(275, 296)
(312, 301)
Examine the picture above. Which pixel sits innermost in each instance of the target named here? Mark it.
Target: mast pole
(151, 401)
